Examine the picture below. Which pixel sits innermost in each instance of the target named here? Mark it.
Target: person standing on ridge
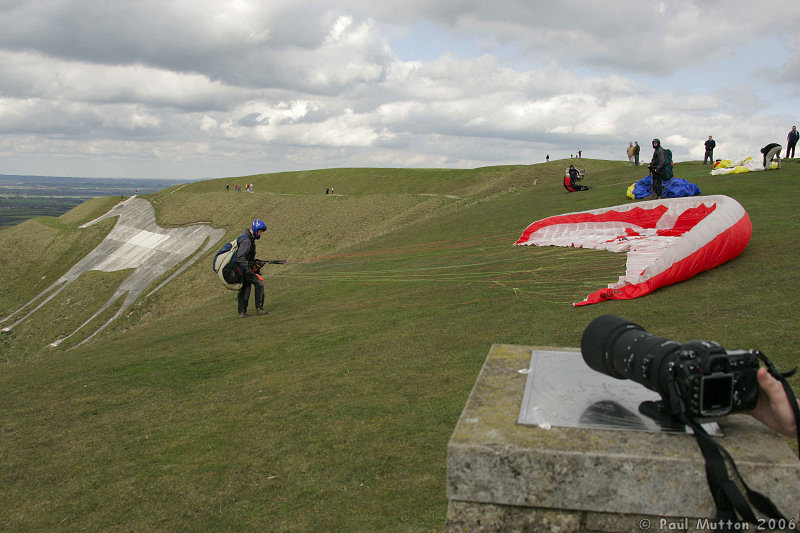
(629, 151)
(710, 144)
(636, 153)
(657, 165)
(246, 257)
(791, 141)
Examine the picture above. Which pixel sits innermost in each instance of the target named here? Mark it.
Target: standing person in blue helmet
(246, 257)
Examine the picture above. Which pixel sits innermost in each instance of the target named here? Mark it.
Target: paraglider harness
(229, 270)
(666, 173)
(233, 274)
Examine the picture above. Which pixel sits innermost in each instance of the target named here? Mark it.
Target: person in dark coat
(571, 180)
(246, 258)
(791, 141)
(710, 144)
(657, 168)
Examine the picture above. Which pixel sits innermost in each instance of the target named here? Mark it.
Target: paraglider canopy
(666, 241)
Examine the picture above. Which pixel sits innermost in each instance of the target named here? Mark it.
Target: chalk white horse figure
(136, 242)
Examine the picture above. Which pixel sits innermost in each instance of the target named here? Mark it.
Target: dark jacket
(766, 150)
(246, 252)
(793, 137)
(659, 160)
(573, 175)
(710, 144)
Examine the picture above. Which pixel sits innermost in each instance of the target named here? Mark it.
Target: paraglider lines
(543, 274)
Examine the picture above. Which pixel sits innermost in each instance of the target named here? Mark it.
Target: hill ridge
(333, 411)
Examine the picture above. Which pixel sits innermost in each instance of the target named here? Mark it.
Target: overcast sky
(193, 89)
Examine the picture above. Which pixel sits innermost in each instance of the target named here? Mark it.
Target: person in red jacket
(571, 180)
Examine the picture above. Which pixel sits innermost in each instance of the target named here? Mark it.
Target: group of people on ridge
(771, 152)
(633, 153)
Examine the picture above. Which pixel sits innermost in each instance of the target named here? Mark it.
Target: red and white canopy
(667, 241)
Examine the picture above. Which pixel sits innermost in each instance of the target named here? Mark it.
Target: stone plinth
(504, 476)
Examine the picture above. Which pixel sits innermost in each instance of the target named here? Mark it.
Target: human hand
(773, 408)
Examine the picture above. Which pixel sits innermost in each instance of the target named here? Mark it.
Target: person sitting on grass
(571, 180)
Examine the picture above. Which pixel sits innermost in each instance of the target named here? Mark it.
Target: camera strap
(728, 499)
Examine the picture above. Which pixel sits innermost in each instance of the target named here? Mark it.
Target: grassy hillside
(333, 412)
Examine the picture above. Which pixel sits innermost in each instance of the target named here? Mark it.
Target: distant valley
(24, 197)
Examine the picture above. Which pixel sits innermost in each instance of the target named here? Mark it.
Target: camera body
(713, 381)
(698, 378)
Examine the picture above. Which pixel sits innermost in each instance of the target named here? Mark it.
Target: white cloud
(179, 88)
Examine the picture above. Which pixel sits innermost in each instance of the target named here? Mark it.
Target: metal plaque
(561, 390)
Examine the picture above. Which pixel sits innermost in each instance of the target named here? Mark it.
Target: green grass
(333, 412)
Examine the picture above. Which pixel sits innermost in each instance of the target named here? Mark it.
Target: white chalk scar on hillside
(137, 243)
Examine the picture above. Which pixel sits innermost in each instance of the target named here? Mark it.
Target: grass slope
(334, 411)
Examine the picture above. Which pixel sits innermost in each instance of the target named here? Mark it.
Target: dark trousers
(658, 182)
(244, 295)
(788, 148)
(709, 157)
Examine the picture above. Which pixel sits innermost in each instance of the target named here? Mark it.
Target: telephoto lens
(621, 349)
(699, 378)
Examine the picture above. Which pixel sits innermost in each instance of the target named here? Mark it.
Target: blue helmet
(258, 224)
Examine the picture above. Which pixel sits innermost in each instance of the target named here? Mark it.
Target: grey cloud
(646, 37)
(278, 45)
(250, 120)
(26, 75)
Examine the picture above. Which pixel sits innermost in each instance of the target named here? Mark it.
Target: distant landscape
(24, 197)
